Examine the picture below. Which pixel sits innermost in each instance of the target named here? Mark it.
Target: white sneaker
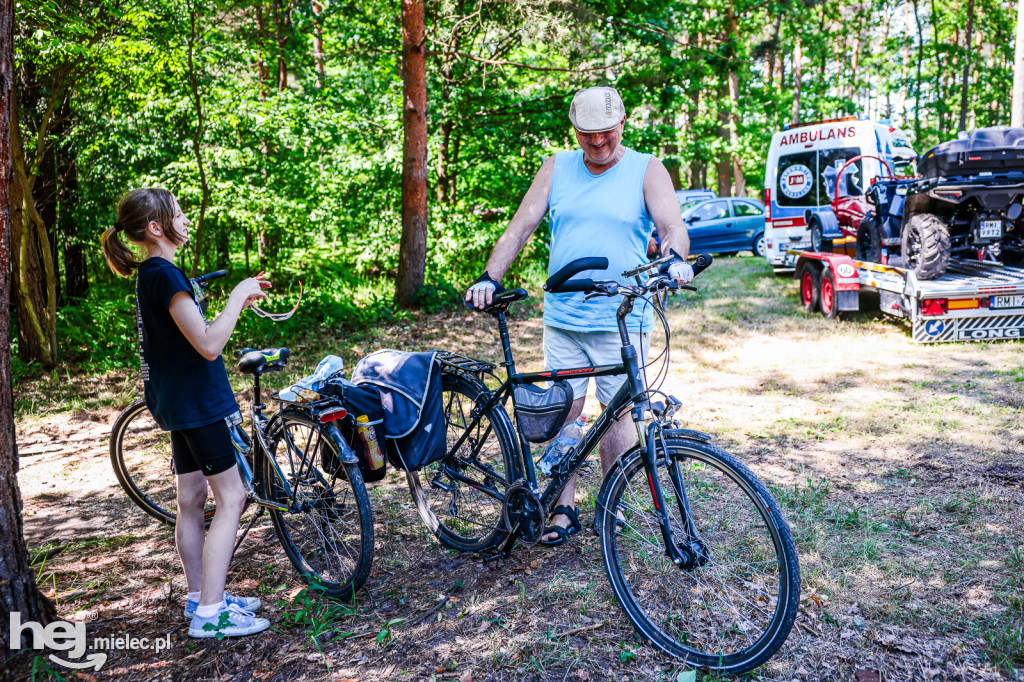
(247, 603)
(231, 621)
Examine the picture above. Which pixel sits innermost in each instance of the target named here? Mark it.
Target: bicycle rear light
(332, 414)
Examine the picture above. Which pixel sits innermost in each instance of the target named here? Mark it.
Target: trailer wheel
(924, 246)
(869, 240)
(828, 303)
(809, 287)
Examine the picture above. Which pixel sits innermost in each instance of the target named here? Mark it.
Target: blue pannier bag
(410, 392)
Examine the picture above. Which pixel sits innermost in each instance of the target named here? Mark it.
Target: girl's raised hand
(252, 288)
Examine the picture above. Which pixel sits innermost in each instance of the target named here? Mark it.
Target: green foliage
(304, 172)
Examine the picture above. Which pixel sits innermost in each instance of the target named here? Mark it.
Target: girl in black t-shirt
(188, 393)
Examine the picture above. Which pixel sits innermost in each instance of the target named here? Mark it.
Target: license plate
(991, 229)
(1006, 302)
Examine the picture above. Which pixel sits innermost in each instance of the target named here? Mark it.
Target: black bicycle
(298, 464)
(697, 552)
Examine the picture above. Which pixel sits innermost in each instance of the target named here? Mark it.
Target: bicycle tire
(140, 453)
(691, 614)
(464, 517)
(328, 534)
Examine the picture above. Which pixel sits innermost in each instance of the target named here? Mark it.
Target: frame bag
(541, 412)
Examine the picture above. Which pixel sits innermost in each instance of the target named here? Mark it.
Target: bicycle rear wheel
(140, 452)
(328, 531)
(460, 497)
(734, 612)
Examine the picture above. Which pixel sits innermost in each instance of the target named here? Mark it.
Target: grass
(880, 453)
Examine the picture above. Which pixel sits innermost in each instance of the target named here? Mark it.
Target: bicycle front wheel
(327, 531)
(460, 497)
(140, 452)
(735, 611)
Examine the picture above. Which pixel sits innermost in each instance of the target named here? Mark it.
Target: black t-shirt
(184, 390)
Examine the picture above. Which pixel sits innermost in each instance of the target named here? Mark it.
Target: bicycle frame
(632, 392)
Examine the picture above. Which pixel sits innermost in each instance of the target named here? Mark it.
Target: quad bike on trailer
(853, 214)
(967, 203)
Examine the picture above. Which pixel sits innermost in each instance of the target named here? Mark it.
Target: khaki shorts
(564, 349)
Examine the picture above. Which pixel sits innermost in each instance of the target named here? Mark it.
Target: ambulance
(800, 176)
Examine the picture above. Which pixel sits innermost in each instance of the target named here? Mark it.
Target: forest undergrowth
(897, 465)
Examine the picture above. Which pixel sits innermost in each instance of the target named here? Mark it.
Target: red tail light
(767, 203)
(332, 414)
(934, 306)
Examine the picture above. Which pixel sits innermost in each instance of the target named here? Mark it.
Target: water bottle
(566, 440)
(369, 439)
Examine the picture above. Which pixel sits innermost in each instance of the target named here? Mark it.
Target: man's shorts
(564, 349)
(205, 448)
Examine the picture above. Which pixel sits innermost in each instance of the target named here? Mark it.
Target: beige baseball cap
(596, 110)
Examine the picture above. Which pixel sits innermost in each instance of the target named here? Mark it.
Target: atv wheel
(924, 246)
(810, 282)
(869, 241)
(818, 241)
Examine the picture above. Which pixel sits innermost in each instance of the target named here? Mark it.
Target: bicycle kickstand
(499, 559)
(248, 527)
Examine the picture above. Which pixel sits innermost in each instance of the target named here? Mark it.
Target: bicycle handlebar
(557, 282)
(202, 280)
(702, 263)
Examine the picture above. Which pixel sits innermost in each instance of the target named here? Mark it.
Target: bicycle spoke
(724, 606)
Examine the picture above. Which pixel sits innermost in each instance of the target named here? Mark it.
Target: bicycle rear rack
(465, 363)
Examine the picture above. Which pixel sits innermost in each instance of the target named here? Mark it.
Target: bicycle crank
(523, 514)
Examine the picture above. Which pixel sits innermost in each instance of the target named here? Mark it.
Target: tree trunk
(697, 177)
(413, 246)
(18, 590)
(773, 53)
(918, 103)
(738, 181)
(37, 310)
(76, 267)
(281, 38)
(939, 101)
(197, 139)
(724, 164)
(318, 43)
(967, 66)
(443, 162)
(798, 69)
(1017, 106)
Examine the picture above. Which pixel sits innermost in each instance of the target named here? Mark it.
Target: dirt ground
(898, 467)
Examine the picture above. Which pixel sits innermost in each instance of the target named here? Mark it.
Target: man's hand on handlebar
(680, 272)
(481, 294)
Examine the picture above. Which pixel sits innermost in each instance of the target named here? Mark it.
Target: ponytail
(135, 211)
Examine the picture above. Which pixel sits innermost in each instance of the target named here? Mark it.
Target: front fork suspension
(691, 552)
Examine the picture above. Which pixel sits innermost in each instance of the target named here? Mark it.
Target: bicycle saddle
(253, 361)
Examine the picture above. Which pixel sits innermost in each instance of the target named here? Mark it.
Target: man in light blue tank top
(601, 200)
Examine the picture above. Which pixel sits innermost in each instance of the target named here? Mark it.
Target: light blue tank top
(597, 215)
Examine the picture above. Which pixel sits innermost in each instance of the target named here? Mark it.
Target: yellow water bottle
(366, 432)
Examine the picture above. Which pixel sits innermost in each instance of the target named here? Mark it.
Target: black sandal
(563, 533)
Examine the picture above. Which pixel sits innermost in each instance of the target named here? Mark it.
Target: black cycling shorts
(206, 448)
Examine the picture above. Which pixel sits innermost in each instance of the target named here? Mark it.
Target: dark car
(726, 225)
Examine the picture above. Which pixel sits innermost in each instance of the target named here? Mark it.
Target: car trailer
(973, 301)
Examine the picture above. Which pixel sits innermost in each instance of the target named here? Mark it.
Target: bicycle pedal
(585, 470)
